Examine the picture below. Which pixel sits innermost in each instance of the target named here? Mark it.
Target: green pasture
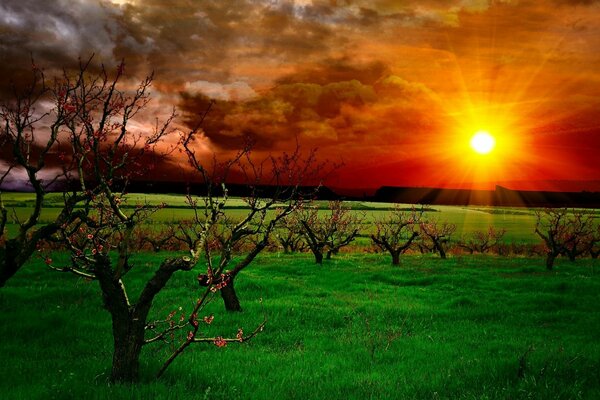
(518, 222)
(471, 327)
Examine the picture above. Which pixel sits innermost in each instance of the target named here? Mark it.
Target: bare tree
(564, 232)
(483, 241)
(436, 235)
(108, 155)
(32, 125)
(581, 229)
(594, 243)
(275, 192)
(396, 232)
(326, 233)
(289, 235)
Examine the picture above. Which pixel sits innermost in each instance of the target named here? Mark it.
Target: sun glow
(482, 142)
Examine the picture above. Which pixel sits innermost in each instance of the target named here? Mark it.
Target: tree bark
(395, 258)
(550, 261)
(230, 298)
(440, 250)
(128, 336)
(8, 264)
(318, 257)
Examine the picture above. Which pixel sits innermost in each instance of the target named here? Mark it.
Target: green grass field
(518, 222)
(356, 328)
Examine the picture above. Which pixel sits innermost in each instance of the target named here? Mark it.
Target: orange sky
(394, 89)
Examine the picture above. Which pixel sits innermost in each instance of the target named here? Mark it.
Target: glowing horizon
(394, 91)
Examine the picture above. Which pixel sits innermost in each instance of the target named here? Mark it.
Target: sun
(482, 142)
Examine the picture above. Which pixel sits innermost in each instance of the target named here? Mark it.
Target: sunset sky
(393, 89)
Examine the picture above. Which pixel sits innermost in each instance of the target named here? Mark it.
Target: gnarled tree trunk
(229, 296)
(128, 334)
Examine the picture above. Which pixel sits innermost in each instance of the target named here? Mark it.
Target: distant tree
(327, 232)
(157, 240)
(594, 243)
(436, 235)
(289, 235)
(32, 134)
(396, 232)
(564, 232)
(483, 241)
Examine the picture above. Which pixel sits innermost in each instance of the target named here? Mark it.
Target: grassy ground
(518, 222)
(356, 328)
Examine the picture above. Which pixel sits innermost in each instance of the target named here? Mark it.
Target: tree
(564, 232)
(594, 243)
(396, 232)
(31, 135)
(326, 233)
(108, 155)
(436, 235)
(274, 195)
(483, 241)
(289, 235)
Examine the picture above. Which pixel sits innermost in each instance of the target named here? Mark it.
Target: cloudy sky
(392, 88)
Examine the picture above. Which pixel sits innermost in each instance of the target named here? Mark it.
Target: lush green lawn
(355, 328)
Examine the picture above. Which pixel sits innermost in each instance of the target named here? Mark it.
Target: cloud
(236, 91)
(324, 115)
(344, 75)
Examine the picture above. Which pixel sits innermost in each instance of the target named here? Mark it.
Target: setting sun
(482, 142)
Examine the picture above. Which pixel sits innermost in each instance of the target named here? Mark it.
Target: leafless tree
(289, 235)
(396, 232)
(564, 231)
(436, 235)
(594, 243)
(108, 155)
(327, 232)
(275, 191)
(482, 241)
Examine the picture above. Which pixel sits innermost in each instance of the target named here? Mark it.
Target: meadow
(476, 327)
(468, 327)
(518, 222)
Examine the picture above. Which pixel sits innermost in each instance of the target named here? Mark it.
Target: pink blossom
(220, 342)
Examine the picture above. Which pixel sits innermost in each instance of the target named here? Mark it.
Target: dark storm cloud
(56, 34)
(337, 70)
(335, 113)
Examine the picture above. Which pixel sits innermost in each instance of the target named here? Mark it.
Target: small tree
(396, 232)
(436, 235)
(564, 232)
(483, 241)
(327, 233)
(581, 229)
(289, 235)
(594, 243)
(274, 195)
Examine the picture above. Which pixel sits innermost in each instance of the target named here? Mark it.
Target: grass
(518, 222)
(465, 328)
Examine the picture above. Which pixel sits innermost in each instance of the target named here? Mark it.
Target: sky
(394, 90)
